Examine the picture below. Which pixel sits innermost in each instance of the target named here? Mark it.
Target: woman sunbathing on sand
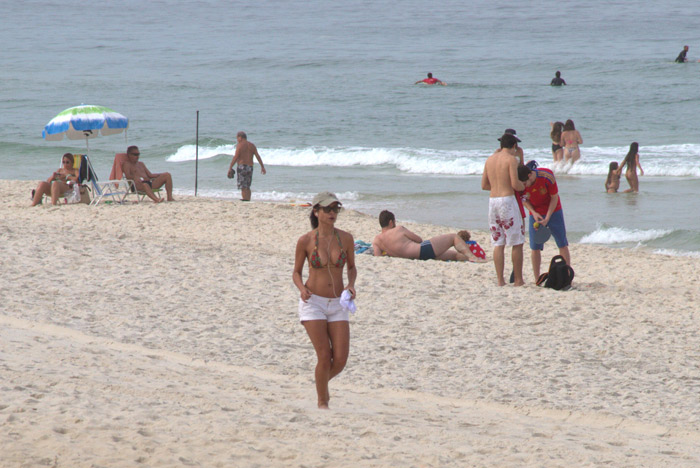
(58, 183)
(328, 251)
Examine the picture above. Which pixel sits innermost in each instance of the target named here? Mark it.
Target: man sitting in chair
(144, 180)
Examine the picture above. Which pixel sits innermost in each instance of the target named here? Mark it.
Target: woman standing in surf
(555, 135)
(570, 139)
(632, 162)
(328, 250)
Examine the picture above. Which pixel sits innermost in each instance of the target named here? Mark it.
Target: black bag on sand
(559, 276)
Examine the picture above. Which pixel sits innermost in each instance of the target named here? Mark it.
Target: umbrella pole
(196, 156)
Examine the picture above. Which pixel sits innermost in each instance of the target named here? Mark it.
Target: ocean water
(325, 90)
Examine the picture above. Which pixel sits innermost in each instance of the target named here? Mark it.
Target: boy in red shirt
(541, 198)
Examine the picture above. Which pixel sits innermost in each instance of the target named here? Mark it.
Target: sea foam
(616, 235)
(668, 160)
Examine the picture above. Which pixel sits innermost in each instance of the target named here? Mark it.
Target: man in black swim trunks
(557, 80)
(144, 180)
(397, 241)
(681, 57)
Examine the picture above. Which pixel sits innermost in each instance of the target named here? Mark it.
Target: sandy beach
(167, 335)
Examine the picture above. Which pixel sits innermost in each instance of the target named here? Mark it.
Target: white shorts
(322, 308)
(505, 222)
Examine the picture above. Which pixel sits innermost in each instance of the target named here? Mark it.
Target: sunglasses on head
(328, 209)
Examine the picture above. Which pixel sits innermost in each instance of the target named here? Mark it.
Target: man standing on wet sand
(506, 225)
(245, 151)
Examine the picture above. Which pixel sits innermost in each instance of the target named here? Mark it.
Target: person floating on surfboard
(431, 81)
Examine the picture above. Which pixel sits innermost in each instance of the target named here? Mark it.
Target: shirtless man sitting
(397, 241)
(144, 180)
(500, 178)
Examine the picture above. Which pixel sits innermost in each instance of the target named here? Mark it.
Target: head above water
(385, 218)
(242, 135)
(430, 75)
(558, 74)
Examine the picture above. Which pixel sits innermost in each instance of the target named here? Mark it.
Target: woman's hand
(352, 291)
(305, 294)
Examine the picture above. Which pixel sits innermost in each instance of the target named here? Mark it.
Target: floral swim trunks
(505, 222)
(245, 176)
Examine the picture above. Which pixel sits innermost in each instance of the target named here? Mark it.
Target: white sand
(167, 335)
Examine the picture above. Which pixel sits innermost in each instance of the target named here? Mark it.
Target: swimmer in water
(431, 81)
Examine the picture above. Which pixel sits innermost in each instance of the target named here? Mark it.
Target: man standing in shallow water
(500, 178)
(245, 151)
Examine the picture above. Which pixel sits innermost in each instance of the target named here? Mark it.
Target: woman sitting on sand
(59, 182)
(632, 162)
(555, 135)
(612, 183)
(570, 139)
(328, 250)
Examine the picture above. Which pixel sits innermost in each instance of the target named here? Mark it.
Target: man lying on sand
(397, 241)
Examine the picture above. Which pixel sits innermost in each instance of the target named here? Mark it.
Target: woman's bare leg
(576, 155)
(331, 342)
(58, 188)
(42, 189)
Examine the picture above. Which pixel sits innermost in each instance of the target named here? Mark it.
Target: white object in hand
(347, 302)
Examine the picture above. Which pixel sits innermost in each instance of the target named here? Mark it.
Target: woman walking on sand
(328, 250)
(555, 135)
(632, 162)
(570, 139)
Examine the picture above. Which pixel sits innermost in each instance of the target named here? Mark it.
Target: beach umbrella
(85, 122)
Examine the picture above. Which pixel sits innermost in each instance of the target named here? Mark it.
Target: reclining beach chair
(113, 190)
(118, 173)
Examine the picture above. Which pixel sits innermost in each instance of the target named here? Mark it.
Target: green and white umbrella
(85, 122)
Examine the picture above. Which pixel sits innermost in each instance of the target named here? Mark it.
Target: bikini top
(315, 260)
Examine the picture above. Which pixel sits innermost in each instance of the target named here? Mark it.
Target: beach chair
(118, 173)
(113, 190)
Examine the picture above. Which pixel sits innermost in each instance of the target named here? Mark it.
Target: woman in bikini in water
(555, 134)
(570, 139)
(328, 250)
(632, 163)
